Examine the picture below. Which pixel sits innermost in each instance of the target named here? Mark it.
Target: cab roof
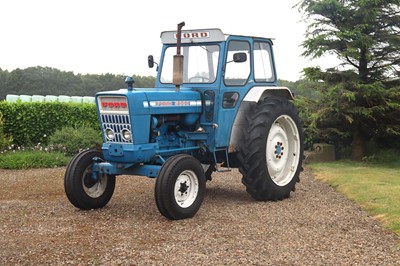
(198, 36)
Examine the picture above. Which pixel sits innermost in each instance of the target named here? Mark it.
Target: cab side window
(263, 65)
(237, 72)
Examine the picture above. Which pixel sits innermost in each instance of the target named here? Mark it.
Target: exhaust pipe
(178, 60)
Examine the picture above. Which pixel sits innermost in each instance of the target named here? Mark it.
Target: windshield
(200, 64)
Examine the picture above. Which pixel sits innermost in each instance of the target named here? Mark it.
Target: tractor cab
(223, 69)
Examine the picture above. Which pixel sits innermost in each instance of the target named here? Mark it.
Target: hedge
(30, 123)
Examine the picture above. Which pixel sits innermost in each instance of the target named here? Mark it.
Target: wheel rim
(283, 150)
(94, 185)
(186, 188)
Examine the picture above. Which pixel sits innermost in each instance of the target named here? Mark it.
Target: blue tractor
(216, 105)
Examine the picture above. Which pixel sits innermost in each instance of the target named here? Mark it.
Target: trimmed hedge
(30, 123)
(5, 141)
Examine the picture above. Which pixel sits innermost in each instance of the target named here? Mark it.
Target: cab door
(235, 84)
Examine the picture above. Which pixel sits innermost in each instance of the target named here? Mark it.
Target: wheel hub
(279, 150)
(89, 180)
(186, 188)
(94, 185)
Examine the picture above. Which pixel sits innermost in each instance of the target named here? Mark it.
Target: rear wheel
(272, 153)
(84, 188)
(180, 187)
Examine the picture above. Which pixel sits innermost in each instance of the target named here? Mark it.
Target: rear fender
(257, 94)
(254, 95)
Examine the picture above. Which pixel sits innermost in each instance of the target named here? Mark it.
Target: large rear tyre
(272, 153)
(180, 187)
(85, 189)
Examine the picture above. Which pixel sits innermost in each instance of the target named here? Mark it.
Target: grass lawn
(375, 187)
(32, 159)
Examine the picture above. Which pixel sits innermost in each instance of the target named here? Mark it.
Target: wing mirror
(150, 62)
(239, 57)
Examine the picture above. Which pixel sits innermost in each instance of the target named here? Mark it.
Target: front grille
(116, 122)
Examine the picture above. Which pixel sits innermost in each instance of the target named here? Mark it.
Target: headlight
(110, 135)
(126, 135)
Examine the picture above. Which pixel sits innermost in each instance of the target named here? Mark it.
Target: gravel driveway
(316, 226)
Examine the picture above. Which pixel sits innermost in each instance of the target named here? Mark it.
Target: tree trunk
(363, 66)
(357, 146)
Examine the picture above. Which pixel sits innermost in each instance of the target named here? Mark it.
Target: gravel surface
(315, 226)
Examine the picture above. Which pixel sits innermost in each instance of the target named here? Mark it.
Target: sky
(100, 36)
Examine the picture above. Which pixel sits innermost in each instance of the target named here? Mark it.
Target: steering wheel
(202, 78)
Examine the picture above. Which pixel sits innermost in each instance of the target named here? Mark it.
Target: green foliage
(32, 159)
(306, 107)
(376, 154)
(144, 82)
(51, 81)
(364, 34)
(72, 140)
(5, 141)
(33, 122)
(348, 105)
(358, 100)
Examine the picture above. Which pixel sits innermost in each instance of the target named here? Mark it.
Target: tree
(51, 81)
(360, 97)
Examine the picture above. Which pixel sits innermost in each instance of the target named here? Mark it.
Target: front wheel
(272, 153)
(180, 187)
(84, 188)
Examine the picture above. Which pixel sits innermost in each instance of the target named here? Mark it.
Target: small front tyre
(85, 189)
(180, 187)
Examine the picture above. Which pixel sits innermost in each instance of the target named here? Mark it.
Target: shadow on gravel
(227, 194)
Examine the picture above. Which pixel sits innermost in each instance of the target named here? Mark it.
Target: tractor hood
(142, 101)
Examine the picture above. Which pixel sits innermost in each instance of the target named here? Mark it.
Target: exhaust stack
(178, 60)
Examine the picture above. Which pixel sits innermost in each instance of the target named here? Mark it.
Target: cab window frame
(241, 81)
(266, 68)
